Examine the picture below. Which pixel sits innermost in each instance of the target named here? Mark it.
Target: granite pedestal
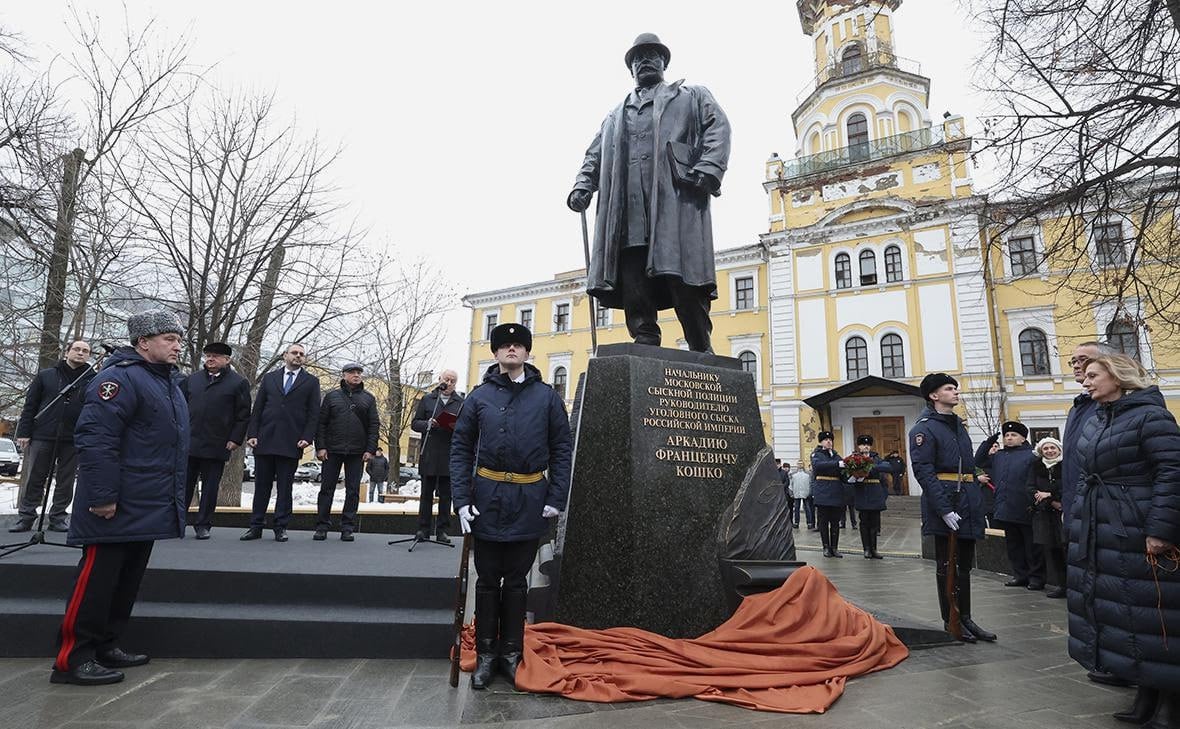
(672, 475)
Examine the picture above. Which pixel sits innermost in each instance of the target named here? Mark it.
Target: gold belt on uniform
(961, 477)
(826, 478)
(509, 477)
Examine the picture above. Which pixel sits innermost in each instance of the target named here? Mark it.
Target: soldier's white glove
(467, 515)
(952, 520)
(549, 512)
(841, 463)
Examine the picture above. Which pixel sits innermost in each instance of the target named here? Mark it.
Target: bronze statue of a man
(655, 162)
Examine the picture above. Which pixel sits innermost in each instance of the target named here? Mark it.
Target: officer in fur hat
(511, 455)
(657, 159)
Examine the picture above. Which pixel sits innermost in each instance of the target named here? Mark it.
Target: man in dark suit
(286, 414)
(219, 411)
(434, 463)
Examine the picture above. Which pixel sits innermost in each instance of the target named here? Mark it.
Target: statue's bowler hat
(648, 39)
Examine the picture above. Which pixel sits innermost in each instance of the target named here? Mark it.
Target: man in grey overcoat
(658, 158)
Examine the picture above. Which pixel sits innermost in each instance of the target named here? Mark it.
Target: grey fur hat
(152, 322)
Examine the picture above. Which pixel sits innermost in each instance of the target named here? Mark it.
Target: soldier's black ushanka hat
(865, 440)
(1014, 426)
(511, 334)
(825, 435)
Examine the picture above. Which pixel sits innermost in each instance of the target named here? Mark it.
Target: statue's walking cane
(593, 307)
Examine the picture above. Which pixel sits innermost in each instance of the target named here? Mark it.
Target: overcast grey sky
(464, 122)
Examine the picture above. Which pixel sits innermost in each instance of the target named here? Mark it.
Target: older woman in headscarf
(1123, 584)
(1044, 486)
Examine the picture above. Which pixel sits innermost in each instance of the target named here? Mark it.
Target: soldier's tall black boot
(1146, 701)
(1167, 712)
(944, 607)
(964, 588)
(513, 605)
(487, 625)
(866, 538)
(876, 535)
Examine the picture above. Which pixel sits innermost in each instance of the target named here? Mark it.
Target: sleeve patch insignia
(919, 439)
(108, 390)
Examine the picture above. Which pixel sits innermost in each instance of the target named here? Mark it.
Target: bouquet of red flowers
(857, 466)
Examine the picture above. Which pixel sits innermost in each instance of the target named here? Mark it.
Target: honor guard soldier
(944, 465)
(870, 497)
(512, 430)
(132, 439)
(828, 493)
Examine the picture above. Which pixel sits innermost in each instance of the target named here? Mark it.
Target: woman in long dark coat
(1044, 488)
(1123, 585)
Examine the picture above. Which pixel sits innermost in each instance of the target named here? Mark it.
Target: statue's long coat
(681, 242)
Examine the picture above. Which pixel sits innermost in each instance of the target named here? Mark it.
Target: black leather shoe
(837, 555)
(251, 533)
(442, 537)
(507, 664)
(119, 658)
(485, 671)
(347, 537)
(827, 552)
(978, 632)
(1016, 583)
(1146, 700)
(868, 555)
(320, 535)
(876, 555)
(59, 526)
(280, 535)
(422, 536)
(22, 525)
(202, 532)
(1107, 679)
(1056, 593)
(965, 636)
(1034, 586)
(89, 673)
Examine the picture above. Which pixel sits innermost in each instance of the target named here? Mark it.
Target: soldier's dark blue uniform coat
(515, 427)
(940, 444)
(826, 462)
(132, 439)
(1008, 469)
(871, 496)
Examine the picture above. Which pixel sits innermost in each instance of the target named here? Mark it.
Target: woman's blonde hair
(1126, 371)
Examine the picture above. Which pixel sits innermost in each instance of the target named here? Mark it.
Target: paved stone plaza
(1024, 680)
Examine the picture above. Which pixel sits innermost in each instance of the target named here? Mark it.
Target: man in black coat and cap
(219, 412)
(657, 159)
(346, 438)
(434, 462)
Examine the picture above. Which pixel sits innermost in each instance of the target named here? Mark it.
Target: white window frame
(1104, 313)
(599, 309)
(532, 309)
(907, 354)
(843, 352)
(1125, 226)
(553, 318)
(1038, 252)
(883, 279)
(1038, 317)
(752, 274)
(561, 359)
(487, 331)
(749, 343)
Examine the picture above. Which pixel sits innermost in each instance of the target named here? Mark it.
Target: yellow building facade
(877, 267)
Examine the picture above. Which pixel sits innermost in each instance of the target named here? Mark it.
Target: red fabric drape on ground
(790, 650)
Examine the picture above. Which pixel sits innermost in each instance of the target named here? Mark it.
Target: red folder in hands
(446, 420)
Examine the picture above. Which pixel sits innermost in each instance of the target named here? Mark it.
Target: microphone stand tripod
(38, 535)
(425, 439)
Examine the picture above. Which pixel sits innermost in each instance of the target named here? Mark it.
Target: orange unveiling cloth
(790, 650)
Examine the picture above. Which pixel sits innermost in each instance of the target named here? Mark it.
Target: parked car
(406, 474)
(308, 471)
(248, 469)
(10, 458)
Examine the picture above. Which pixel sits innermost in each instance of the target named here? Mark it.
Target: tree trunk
(396, 404)
(231, 481)
(59, 260)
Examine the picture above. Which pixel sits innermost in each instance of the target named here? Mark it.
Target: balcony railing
(880, 57)
(858, 153)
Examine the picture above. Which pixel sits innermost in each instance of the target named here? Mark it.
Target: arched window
(1034, 352)
(892, 356)
(749, 362)
(1123, 337)
(559, 381)
(858, 137)
(852, 60)
(893, 264)
(868, 268)
(843, 271)
(856, 356)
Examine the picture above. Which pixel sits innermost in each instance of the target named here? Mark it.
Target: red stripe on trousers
(68, 624)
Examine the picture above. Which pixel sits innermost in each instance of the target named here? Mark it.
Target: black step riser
(183, 586)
